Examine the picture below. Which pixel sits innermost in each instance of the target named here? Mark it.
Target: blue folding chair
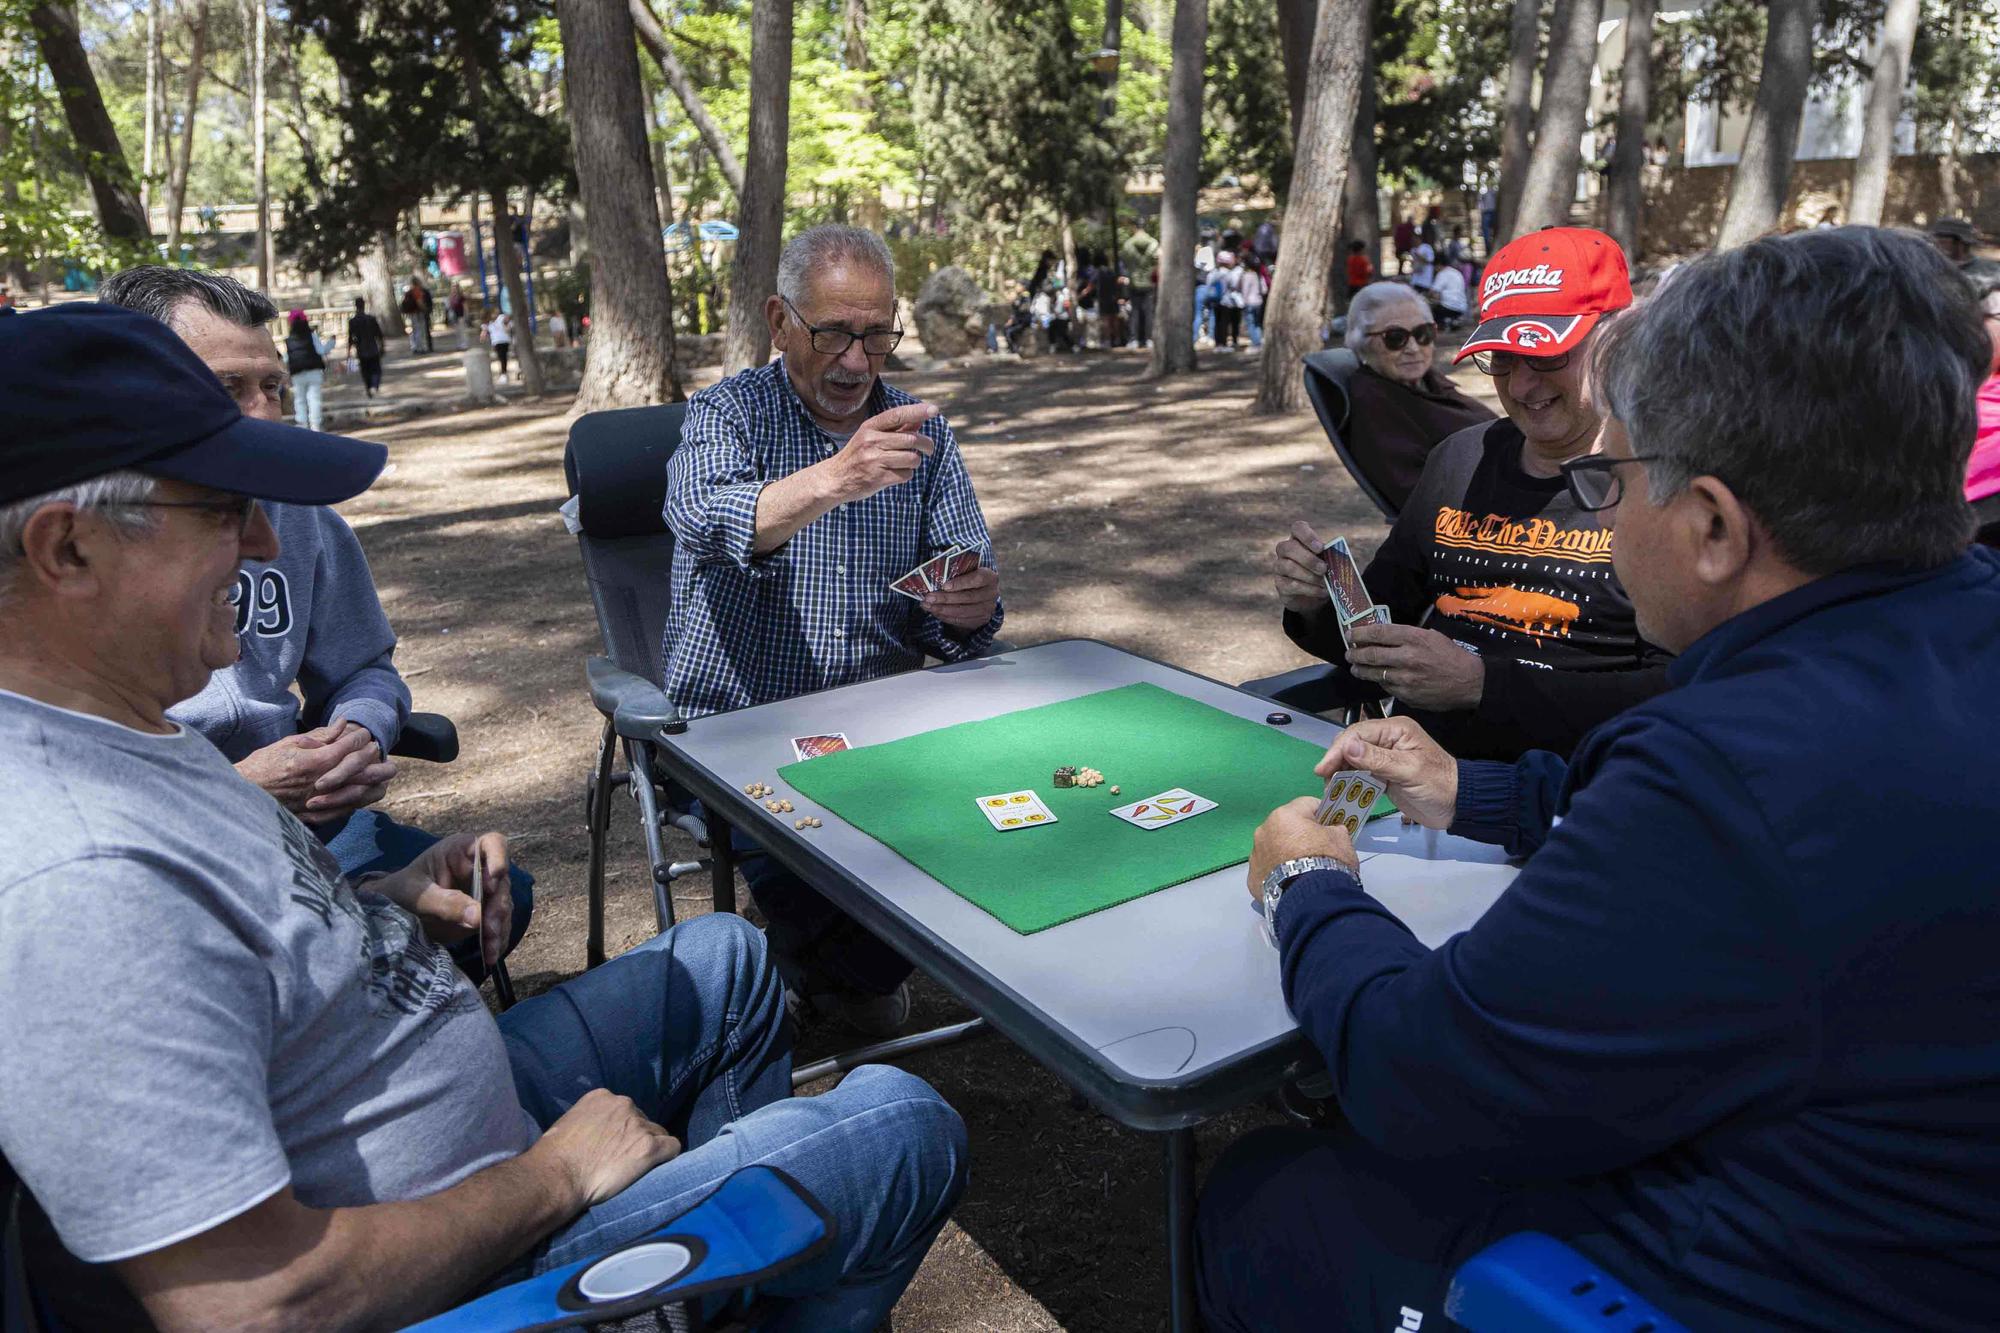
(1533, 1283)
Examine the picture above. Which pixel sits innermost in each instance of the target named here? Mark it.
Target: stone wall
(1684, 204)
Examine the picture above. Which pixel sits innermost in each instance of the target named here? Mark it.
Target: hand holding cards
(937, 571)
(1351, 603)
(1349, 800)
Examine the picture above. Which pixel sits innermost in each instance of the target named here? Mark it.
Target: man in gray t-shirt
(259, 1094)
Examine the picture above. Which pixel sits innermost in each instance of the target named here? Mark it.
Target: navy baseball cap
(87, 388)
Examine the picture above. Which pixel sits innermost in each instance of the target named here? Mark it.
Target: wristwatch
(1280, 879)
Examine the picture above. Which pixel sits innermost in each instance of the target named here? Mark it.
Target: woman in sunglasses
(1400, 404)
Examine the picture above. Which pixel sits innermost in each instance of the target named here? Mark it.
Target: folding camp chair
(1328, 373)
(702, 1270)
(1532, 1283)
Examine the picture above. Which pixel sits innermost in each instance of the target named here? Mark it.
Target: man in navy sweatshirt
(1734, 1032)
(308, 621)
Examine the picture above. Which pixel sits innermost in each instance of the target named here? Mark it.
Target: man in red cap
(1511, 632)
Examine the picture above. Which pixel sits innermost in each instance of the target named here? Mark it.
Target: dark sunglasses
(830, 341)
(1396, 339)
(1594, 479)
(1504, 363)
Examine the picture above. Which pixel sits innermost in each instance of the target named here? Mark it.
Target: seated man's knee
(926, 1133)
(1245, 1220)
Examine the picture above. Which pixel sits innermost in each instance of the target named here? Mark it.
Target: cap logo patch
(1518, 282)
(1530, 335)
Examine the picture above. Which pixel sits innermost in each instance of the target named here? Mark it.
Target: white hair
(1365, 311)
(110, 493)
(820, 248)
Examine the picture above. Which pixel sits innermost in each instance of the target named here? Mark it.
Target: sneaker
(879, 1016)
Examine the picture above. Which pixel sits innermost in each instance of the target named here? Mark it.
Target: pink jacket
(1982, 473)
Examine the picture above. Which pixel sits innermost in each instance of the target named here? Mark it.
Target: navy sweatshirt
(1738, 1019)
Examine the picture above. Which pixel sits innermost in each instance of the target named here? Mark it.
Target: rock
(951, 313)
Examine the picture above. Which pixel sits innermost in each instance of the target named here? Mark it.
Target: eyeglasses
(1397, 339)
(830, 341)
(1497, 364)
(1594, 482)
(241, 508)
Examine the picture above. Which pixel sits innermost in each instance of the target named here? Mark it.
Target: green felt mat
(918, 796)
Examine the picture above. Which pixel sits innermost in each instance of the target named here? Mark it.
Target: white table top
(1162, 1009)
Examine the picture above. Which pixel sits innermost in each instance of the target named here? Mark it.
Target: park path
(1136, 513)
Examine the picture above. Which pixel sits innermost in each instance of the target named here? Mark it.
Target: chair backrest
(616, 465)
(43, 1287)
(1328, 373)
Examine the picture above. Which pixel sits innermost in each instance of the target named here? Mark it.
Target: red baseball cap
(1543, 293)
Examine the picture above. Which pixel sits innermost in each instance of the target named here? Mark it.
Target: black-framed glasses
(1497, 364)
(1396, 339)
(1594, 481)
(241, 508)
(830, 341)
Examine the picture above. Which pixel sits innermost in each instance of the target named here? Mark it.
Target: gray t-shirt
(199, 1010)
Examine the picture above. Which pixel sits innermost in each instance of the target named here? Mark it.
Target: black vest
(300, 354)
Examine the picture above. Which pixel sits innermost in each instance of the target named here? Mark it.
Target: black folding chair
(1328, 373)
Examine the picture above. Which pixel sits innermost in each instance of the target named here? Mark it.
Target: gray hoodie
(310, 617)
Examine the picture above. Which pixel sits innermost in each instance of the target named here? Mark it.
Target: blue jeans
(691, 1026)
(1205, 296)
(369, 842)
(1253, 324)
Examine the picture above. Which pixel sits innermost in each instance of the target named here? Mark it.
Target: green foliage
(1247, 128)
(1714, 54)
(1957, 68)
(1440, 65)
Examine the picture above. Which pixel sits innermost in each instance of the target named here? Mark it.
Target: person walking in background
(417, 305)
(1489, 218)
(500, 332)
(1256, 286)
(1207, 291)
(364, 341)
(1229, 306)
(1141, 254)
(1404, 240)
(305, 359)
(1360, 270)
(1264, 242)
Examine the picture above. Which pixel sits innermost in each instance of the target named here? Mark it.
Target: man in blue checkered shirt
(799, 492)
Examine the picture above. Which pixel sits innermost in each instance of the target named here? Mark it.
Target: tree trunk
(112, 194)
(1628, 156)
(1295, 40)
(1764, 171)
(1361, 199)
(762, 216)
(1550, 185)
(1173, 323)
(378, 282)
(152, 130)
(260, 145)
(1885, 108)
(1948, 159)
(177, 178)
(663, 191)
(1517, 117)
(1107, 107)
(648, 29)
(506, 251)
(1296, 308)
(631, 361)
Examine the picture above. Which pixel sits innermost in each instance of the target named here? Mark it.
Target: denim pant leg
(818, 944)
(369, 842)
(690, 1025)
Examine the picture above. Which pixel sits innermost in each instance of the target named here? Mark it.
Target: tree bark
(1628, 157)
(1517, 117)
(506, 251)
(178, 178)
(1549, 188)
(1295, 38)
(1885, 108)
(260, 148)
(631, 360)
(1173, 325)
(1361, 199)
(1948, 158)
(1296, 308)
(762, 215)
(378, 282)
(152, 130)
(1764, 171)
(662, 51)
(112, 193)
(1107, 107)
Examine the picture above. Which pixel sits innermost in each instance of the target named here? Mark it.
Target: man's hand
(605, 1144)
(360, 779)
(883, 451)
(1290, 832)
(967, 602)
(1296, 563)
(291, 769)
(437, 889)
(1421, 778)
(1421, 667)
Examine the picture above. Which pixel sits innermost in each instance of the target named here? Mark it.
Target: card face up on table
(1169, 807)
(1010, 810)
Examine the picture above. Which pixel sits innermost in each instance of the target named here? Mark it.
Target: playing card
(911, 585)
(1010, 810)
(478, 878)
(1350, 797)
(812, 747)
(933, 569)
(1343, 582)
(1169, 807)
(959, 563)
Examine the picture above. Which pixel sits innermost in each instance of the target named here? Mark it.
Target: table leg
(1180, 1231)
(722, 862)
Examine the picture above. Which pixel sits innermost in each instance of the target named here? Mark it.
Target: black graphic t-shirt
(1506, 566)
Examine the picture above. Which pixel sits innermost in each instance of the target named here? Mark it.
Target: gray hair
(1364, 312)
(108, 493)
(1984, 275)
(159, 291)
(819, 248)
(1827, 378)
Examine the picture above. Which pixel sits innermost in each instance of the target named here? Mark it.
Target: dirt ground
(1136, 513)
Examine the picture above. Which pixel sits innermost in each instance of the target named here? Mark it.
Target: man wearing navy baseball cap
(245, 1092)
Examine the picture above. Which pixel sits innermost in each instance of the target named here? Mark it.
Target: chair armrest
(639, 710)
(1310, 688)
(427, 736)
(1533, 1283)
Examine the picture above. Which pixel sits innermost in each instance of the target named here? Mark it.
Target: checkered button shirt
(817, 612)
